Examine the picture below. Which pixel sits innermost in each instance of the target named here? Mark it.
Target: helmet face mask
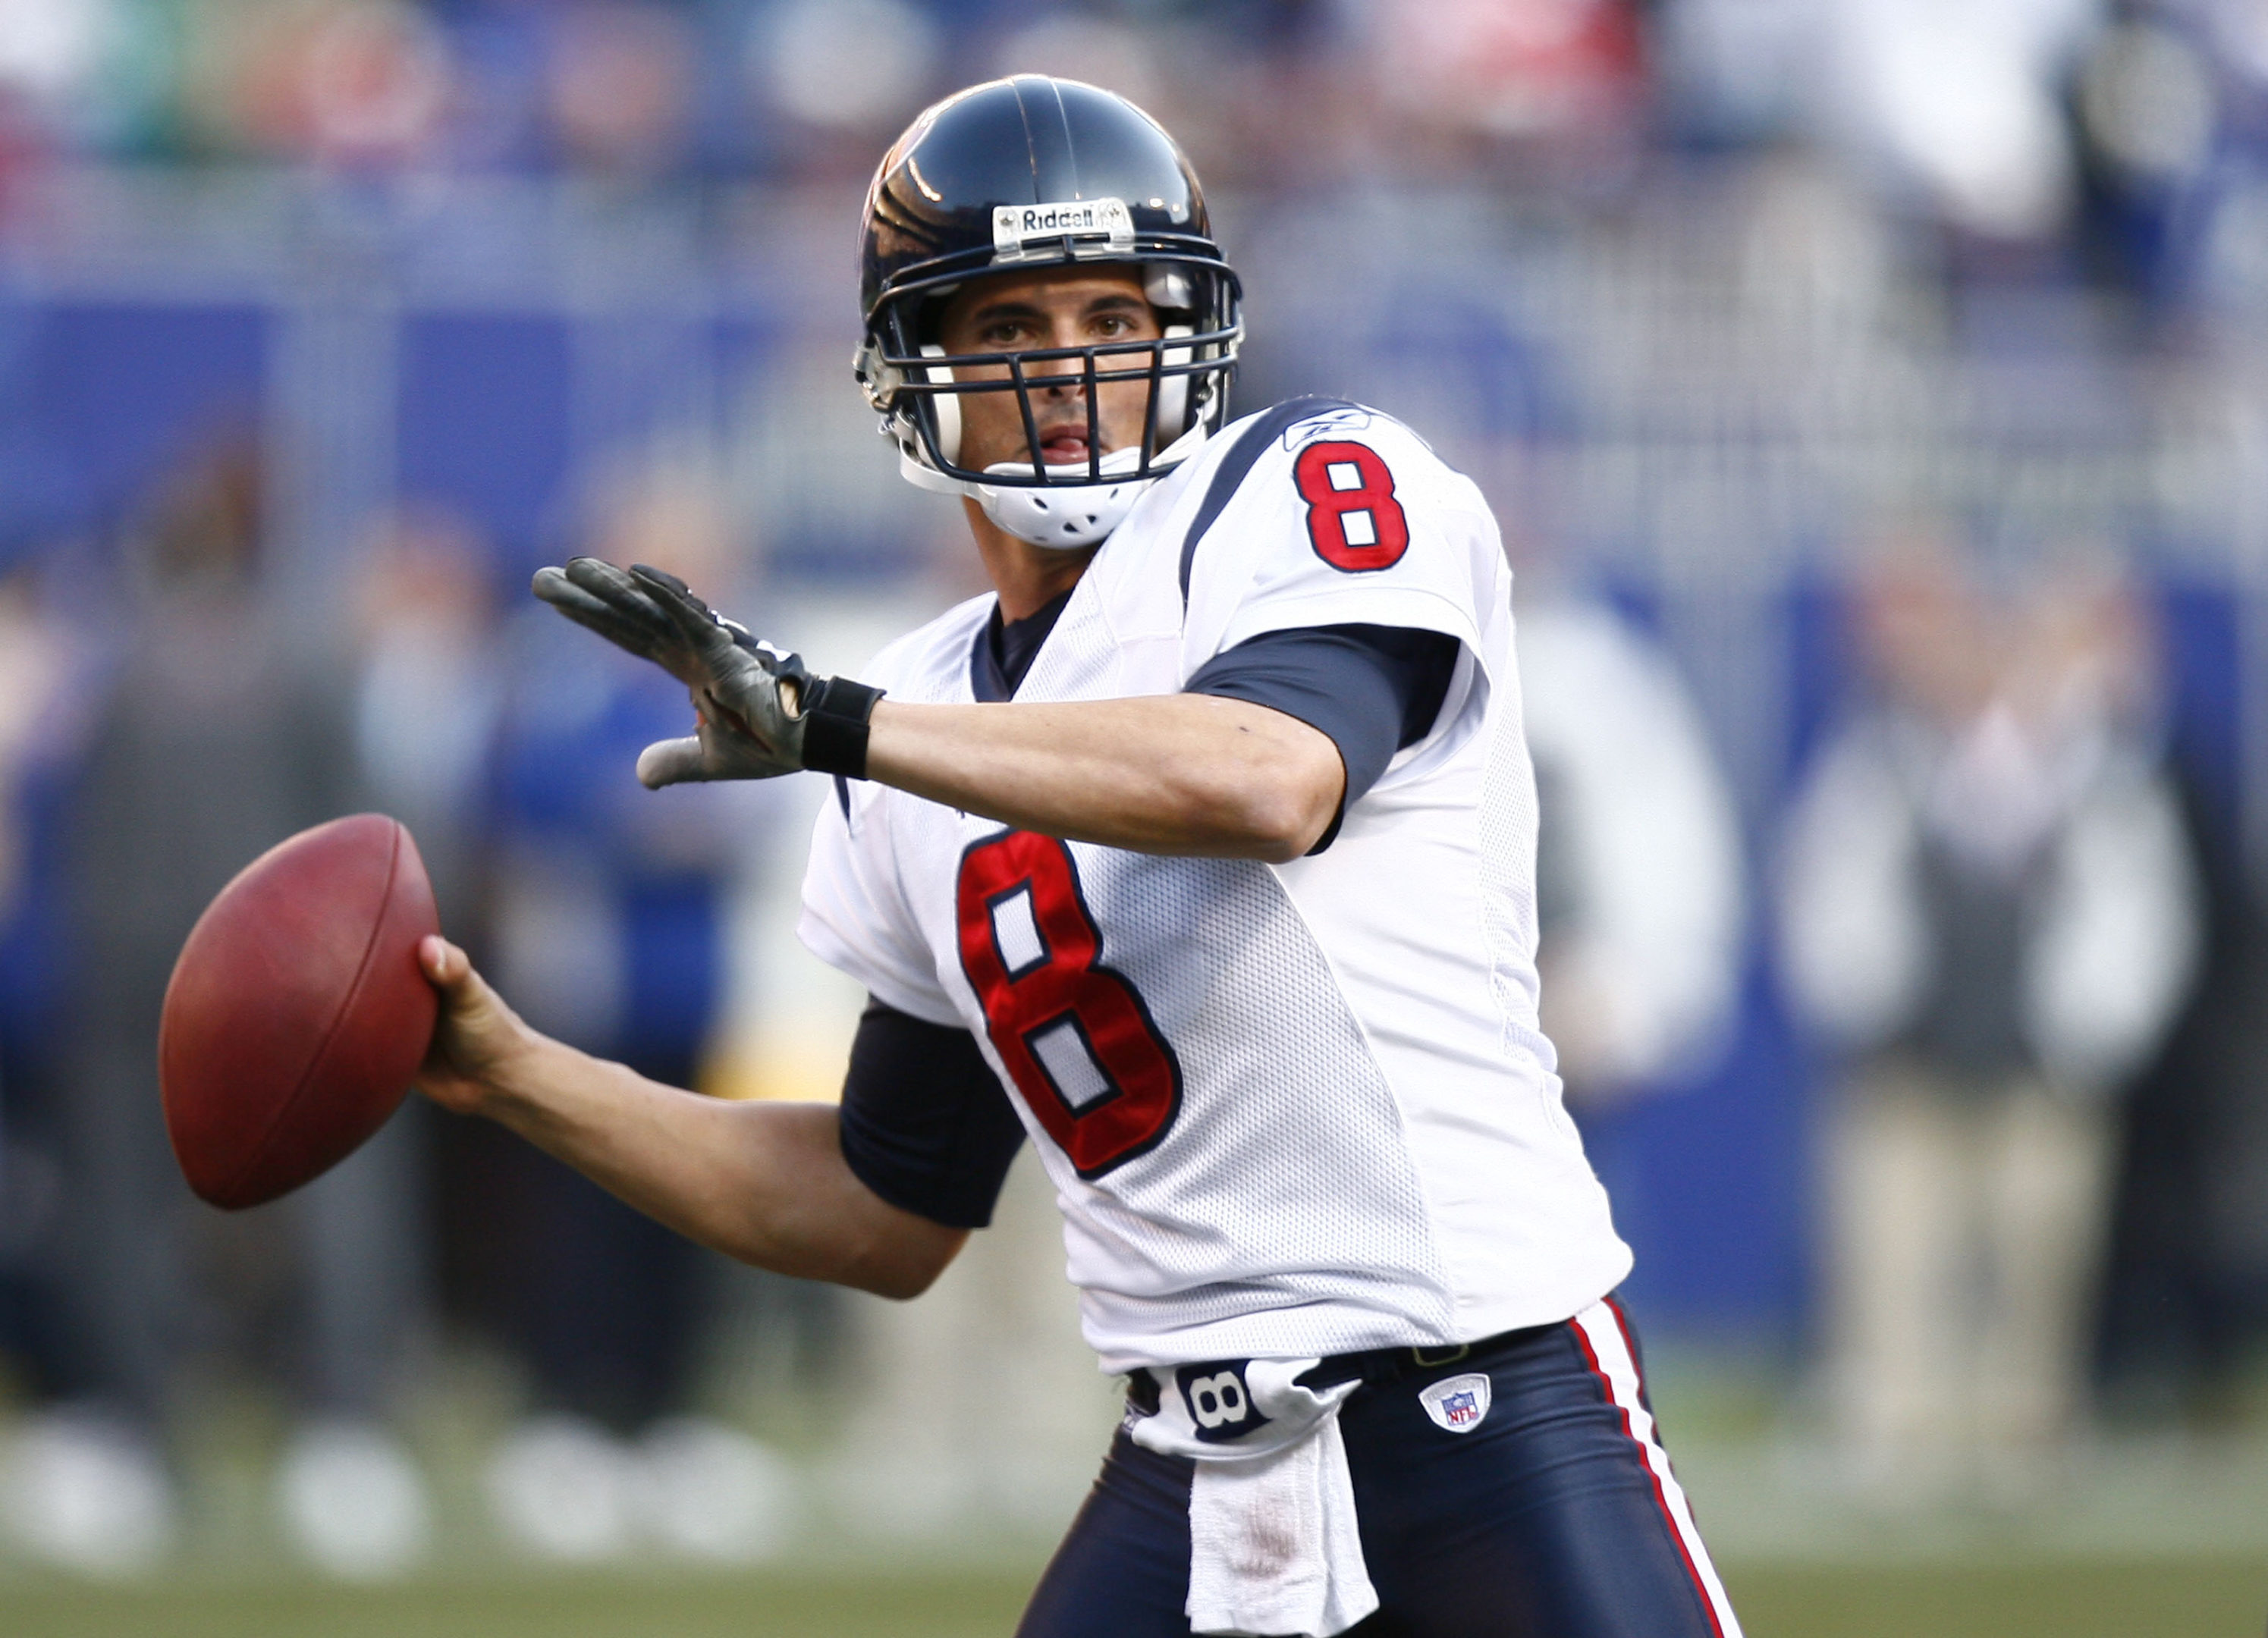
(986, 184)
(919, 389)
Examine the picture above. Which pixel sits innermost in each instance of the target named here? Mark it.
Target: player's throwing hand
(762, 713)
(475, 1036)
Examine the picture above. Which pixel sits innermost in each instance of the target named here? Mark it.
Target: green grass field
(2075, 1600)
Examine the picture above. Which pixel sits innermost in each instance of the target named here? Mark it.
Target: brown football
(297, 1013)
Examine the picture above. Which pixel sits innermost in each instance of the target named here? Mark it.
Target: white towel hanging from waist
(1274, 1546)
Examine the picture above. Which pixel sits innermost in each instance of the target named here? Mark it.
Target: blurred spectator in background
(1560, 85)
(610, 926)
(422, 713)
(1956, 109)
(427, 701)
(2186, 1301)
(621, 86)
(2011, 133)
(40, 713)
(841, 75)
(360, 84)
(33, 654)
(2146, 104)
(214, 740)
(214, 736)
(1989, 908)
(1640, 885)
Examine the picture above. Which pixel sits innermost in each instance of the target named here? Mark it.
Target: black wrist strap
(834, 713)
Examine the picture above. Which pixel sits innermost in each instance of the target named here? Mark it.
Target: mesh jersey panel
(1278, 1072)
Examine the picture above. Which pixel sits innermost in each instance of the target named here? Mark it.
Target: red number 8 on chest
(1076, 1037)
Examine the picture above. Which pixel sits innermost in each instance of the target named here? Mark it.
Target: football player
(1202, 852)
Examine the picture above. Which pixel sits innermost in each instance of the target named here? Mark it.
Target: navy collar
(1005, 650)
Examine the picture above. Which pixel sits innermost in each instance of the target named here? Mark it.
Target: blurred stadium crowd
(1871, 396)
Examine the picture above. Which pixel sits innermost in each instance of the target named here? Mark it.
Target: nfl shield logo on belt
(1457, 1403)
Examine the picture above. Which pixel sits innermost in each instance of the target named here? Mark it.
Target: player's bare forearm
(1173, 774)
(765, 1183)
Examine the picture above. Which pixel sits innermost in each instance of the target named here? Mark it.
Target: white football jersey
(1289, 1110)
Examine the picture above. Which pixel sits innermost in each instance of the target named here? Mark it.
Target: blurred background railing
(1834, 370)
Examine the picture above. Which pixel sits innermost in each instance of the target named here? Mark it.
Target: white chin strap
(1066, 514)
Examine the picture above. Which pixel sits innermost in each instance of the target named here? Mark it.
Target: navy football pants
(1556, 1517)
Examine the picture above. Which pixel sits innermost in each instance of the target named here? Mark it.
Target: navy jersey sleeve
(925, 1123)
(1374, 689)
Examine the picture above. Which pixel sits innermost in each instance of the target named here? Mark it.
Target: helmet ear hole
(945, 406)
(1167, 286)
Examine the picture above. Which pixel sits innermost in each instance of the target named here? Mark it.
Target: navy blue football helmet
(1029, 172)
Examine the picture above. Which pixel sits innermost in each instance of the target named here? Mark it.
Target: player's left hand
(757, 704)
(624, 608)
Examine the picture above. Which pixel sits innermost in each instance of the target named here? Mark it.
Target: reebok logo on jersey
(1327, 423)
(1012, 226)
(1220, 1403)
(1457, 1404)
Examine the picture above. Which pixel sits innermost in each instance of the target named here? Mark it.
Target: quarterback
(1201, 853)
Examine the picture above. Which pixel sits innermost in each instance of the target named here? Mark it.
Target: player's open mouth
(1062, 448)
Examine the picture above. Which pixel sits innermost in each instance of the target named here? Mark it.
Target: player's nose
(1057, 375)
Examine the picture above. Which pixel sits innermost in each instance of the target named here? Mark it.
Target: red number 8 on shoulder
(1353, 520)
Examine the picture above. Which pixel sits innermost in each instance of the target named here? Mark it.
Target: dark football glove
(762, 712)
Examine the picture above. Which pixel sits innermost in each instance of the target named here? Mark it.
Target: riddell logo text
(1011, 224)
(1062, 219)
